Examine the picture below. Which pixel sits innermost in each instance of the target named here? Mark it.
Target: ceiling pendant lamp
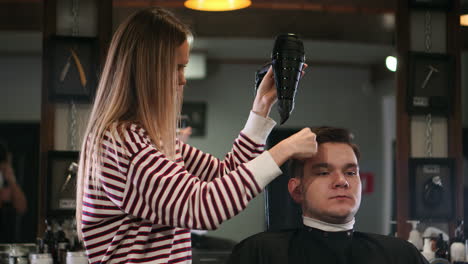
(464, 20)
(217, 5)
(464, 13)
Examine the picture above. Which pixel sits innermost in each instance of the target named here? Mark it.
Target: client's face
(330, 189)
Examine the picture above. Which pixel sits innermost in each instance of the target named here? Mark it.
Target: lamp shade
(464, 13)
(464, 20)
(217, 5)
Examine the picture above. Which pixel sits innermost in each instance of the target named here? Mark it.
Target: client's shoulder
(396, 249)
(383, 240)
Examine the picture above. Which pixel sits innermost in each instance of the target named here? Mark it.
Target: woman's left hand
(183, 134)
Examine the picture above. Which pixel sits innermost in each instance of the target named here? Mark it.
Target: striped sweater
(146, 204)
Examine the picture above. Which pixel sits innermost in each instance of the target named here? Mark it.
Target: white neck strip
(324, 226)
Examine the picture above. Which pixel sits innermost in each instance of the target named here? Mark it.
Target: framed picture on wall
(430, 85)
(432, 188)
(61, 183)
(432, 4)
(73, 68)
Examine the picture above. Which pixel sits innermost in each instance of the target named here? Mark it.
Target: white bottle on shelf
(427, 249)
(415, 236)
(457, 249)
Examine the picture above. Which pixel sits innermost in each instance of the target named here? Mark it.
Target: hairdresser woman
(140, 191)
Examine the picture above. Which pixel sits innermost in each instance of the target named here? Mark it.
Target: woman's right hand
(266, 95)
(301, 145)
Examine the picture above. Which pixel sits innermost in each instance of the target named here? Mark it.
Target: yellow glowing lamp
(217, 5)
(464, 20)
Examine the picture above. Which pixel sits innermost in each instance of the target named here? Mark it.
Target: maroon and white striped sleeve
(249, 144)
(165, 193)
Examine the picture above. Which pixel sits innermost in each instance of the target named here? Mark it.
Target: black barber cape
(310, 245)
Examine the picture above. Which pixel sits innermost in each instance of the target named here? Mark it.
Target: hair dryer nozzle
(284, 108)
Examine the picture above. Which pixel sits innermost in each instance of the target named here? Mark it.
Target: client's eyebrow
(351, 166)
(321, 165)
(327, 166)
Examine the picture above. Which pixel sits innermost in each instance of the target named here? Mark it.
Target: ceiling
(370, 23)
(363, 21)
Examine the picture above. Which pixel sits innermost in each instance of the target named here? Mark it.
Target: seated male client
(328, 189)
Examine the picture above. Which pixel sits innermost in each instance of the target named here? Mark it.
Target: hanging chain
(74, 12)
(428, 31)
(72, 128)
(72, 107)
(429, 135)
(428, 47)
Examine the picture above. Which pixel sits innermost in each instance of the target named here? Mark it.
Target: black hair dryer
(287, 60)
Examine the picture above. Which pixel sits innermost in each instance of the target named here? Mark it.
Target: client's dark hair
(325, 135)
(3, 151)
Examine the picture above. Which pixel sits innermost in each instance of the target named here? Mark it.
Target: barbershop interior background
(346, 84)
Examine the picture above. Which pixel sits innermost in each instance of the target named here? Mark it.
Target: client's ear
(294, 188)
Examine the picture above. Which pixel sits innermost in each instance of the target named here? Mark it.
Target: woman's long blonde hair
(138, 84)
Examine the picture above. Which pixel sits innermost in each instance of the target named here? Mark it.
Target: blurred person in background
(12, 199)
